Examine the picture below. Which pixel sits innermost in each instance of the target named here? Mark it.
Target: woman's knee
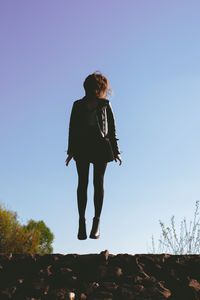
(83, 183)
(98, 182)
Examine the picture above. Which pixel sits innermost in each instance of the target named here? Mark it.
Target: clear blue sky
(150, 52)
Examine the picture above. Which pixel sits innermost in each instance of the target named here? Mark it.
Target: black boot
(82, 235)
(95, 233)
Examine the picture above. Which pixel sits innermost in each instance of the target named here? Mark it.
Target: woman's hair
(96, 83)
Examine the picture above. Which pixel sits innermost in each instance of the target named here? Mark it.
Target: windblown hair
(96, 83)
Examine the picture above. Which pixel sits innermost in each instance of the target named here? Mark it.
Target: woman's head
(97, 85)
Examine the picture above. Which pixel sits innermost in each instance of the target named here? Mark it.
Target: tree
(188, 240)
(46, 236)
(17, 238)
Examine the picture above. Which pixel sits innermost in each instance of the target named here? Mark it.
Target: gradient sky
(150, 52)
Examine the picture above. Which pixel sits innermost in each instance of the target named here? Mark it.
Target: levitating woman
(92, 139)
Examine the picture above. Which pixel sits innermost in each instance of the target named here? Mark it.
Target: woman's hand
(118, 157)
(69, 157)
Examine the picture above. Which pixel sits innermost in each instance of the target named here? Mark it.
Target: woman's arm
(112, 130)
(70, 149)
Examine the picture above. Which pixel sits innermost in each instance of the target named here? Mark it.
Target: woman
(92, 139)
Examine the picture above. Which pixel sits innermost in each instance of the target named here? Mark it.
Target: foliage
(188, 240)
(46, 236)
(21, 239)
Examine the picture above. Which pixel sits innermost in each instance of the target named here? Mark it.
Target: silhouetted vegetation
(46, 236)
(35, 237)
(186, 242)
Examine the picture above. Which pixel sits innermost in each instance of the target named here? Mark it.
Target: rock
(105, 255)
(102, 295)
(195, 284)
(100, 276)
(109, 286)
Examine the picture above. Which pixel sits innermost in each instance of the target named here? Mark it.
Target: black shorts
(93, 149)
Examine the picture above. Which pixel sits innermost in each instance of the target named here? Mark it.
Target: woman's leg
(98, 181)
(83, 173)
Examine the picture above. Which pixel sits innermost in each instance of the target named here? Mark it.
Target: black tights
(98, 181)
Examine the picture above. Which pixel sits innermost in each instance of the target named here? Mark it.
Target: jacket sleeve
(70, 149)
(112, 130)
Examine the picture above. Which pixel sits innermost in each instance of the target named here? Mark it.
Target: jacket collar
(101, 101)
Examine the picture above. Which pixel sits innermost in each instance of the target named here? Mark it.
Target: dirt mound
(100, 276)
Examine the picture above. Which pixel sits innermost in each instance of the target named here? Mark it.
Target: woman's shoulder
(77, 102)
(104, 101)
(81, 101)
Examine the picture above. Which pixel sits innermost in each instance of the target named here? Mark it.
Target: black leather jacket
(77, 125)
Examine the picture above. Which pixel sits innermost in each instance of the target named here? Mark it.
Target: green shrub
(46, 236)
(35, 237)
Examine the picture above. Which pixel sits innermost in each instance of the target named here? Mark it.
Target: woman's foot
(82, 235)
(95, 233)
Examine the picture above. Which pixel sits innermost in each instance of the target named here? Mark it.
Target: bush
(17, 238)
(46, 236)
(188, 240)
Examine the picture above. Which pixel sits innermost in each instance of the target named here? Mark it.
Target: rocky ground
(100, 276)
